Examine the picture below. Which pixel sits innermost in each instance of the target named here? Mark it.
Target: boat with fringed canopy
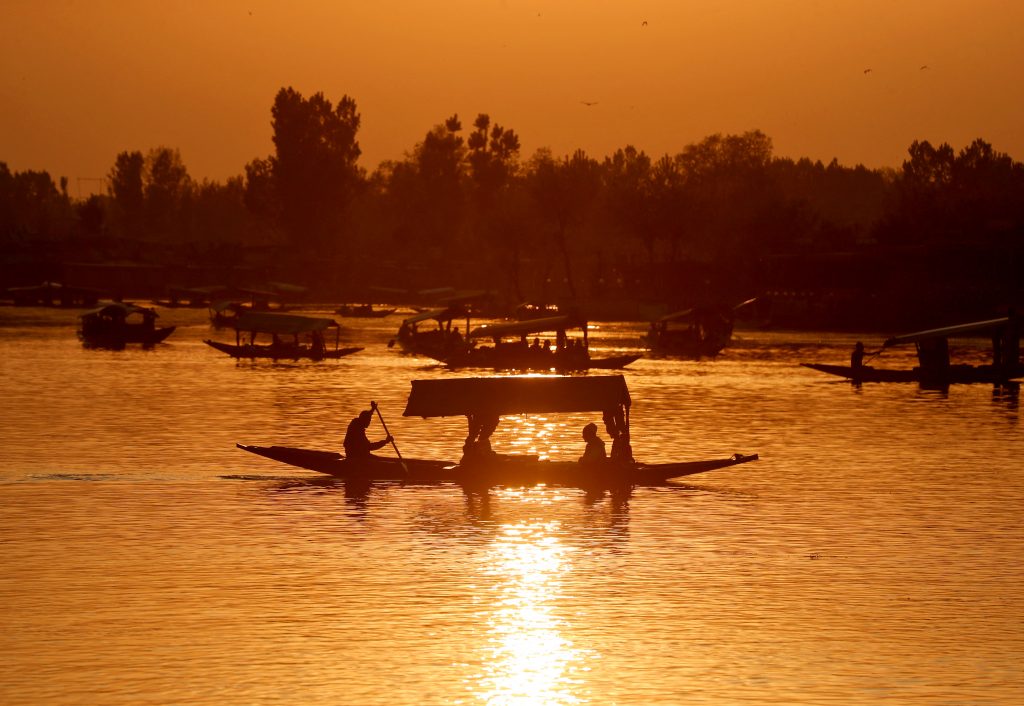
(291, 337)
(484, 401)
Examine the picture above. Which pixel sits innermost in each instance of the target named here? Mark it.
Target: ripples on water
(873, 554)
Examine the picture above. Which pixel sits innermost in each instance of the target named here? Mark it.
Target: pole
(393, 444)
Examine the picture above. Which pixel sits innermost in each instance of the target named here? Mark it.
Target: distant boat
(935, 368)
(567, 355)
(116, 324)
(697, 332)
(483, 401)
(364, 311)
(417, 335)
(55, 294)
(306, 334)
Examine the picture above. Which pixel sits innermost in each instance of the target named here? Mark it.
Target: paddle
(393, 444)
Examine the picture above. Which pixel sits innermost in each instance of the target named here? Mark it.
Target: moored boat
(116, 324)
(569, 354)
(483, 401)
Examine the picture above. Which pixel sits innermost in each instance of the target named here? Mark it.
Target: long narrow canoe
(955, 374)
(280, 352)
(501, 470)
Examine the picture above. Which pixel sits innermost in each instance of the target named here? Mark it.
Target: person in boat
(857, 357)
(615, 425)
(477, 446)
(319, 348)
(356, 444)
(594, 453)
(455, 338)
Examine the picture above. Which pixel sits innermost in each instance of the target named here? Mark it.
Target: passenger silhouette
(594, 452)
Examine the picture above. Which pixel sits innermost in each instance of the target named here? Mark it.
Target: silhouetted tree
(564, 190)
(167, 189)
(126, 190)
(314, 168)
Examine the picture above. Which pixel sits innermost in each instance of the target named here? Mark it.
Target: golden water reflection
(530, 659)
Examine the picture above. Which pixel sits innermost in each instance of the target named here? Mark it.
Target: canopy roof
(118, 309)
(976, 327)
(445, 314)
(525, 328)
(676, 316)
(272, 322)
(515, 395)
(466, 297)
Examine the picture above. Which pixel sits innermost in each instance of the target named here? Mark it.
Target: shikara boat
(306, 334)
(568, 354)
(363, 311)
(935, 368)
(484, 400)
(432, 332)
(116, 324)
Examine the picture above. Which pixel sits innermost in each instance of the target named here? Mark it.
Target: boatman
(594, 452)
(356, 444)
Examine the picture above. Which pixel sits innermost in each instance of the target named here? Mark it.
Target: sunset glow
(83, 81)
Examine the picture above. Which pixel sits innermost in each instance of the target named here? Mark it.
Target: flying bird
(924, 67)
(644, 23)
(867, 71)
(588, 103)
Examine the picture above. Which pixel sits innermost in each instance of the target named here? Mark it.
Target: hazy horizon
(84, 81)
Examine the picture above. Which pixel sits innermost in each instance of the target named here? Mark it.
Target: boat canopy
(676, 316)
(525, 328)
(976, 327)
(121, 309)
(516, 395)
(466, 297)
(445, 314)
(272, 322)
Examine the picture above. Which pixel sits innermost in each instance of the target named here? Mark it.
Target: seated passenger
(594, 452)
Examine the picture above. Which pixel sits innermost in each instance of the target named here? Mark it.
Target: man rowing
(356, 444)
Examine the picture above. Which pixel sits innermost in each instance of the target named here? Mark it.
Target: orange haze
(81, 81)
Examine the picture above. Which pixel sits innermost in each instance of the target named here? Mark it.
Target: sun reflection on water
(530, 659)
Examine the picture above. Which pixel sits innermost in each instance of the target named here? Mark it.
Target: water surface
(873, 554)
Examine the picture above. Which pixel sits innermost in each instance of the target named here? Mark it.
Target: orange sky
(82, 80)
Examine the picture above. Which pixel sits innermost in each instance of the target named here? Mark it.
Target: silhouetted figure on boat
(477, 447)
(594, 453)
(618, 430)
(356, 444)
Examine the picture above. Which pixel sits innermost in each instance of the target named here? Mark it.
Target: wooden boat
(307, 338)
(935, 368)
(568, 355)
(484, 400)
(116, 324)
(502, 470)
(416, 335)
(697, 332)
(363, 311)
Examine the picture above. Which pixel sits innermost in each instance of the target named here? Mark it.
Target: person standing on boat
(356, 444)
(594, 452)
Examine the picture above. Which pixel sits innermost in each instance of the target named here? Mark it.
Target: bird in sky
(867, 71)
(644, 23)
(588, 103)
(924, 67)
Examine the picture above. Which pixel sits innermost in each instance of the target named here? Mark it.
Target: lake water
(873, 554)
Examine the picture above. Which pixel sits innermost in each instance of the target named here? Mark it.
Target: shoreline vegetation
(627, 235)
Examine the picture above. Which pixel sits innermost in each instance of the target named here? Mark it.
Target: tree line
(463, 204)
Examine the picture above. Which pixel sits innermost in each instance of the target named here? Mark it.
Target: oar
(386, 432)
